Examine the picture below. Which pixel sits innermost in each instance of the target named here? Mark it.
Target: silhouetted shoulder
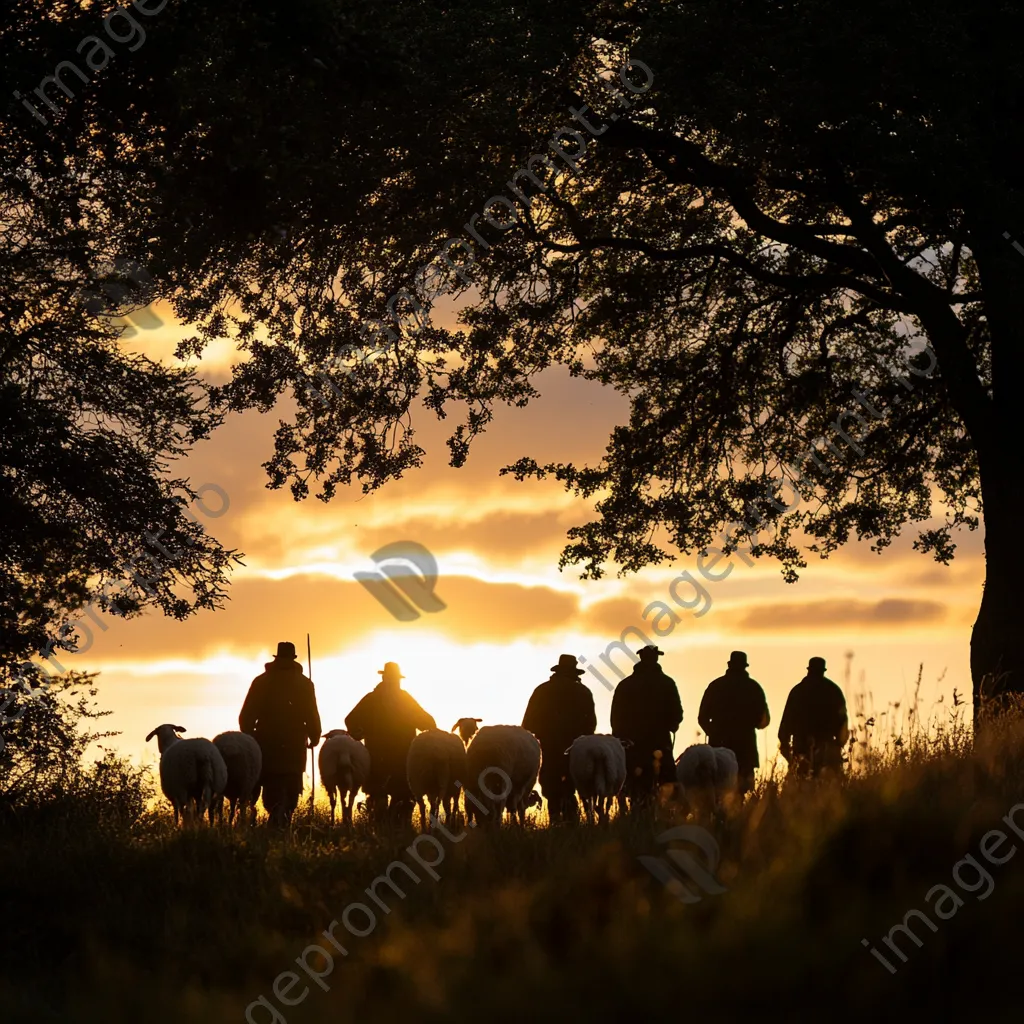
(837, 692)
(796, 695)
(626, 686)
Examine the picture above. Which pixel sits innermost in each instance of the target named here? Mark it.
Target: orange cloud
(836, 614)
(612, 616)
(507, 536)
(336, 611)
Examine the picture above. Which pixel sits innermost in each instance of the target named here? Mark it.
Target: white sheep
(244, 761)
(497, 749)
(435, 760)
(192, 772)
(597, 767)
(709, 777)
(344, 769)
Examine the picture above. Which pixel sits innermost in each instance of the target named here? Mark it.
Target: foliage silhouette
(791, 203)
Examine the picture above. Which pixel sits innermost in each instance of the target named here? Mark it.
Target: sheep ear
(151, 735)
(477, 719)
(178, 728)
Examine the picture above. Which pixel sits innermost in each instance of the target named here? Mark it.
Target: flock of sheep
(197, 775)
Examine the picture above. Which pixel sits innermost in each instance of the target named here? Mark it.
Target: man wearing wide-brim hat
(646, 710)
(387, 720)
(280, 712)
(814, 727)
(560, 710)
(732, 709)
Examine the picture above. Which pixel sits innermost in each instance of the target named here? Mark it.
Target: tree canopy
(771, 205)
(94, 516)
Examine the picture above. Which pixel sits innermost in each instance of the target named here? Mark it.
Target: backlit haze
(510, 612)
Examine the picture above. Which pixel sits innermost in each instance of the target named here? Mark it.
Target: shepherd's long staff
(312, 749)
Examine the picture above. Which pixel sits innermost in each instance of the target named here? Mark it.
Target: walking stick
(312, 749)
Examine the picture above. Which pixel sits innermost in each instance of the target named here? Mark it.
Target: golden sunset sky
(510, 612)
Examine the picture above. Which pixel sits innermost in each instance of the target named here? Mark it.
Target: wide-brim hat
(650, 651)
(390, 670)
(738, 658)
(286, 651)
(565, 663)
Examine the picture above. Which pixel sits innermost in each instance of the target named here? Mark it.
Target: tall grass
(121, 917)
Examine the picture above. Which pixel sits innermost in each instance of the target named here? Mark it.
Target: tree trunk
(997, 642)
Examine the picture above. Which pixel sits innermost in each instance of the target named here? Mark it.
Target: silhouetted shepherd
(646, 709)
(733, 707)
(280, 712)
(560, 710)
(814, 727)
(387, 720)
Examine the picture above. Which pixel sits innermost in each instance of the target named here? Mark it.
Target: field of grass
(119, 917)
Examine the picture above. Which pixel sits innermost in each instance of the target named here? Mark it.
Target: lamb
(502, 748)
(709, 777)
(597, 766)
(467, 728)
(344, 769)
(244, 761)
(192, 772)
(436, 759)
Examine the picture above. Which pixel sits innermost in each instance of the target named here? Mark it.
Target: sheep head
(166, 735)
(335, 732)
(467, 728)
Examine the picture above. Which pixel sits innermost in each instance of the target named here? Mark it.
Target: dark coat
(646, 709)
(814, 724)
(558, 711)
(386, 720)
(280, 712)
(732, 708)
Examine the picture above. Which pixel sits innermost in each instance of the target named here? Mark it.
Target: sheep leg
(332, 797)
